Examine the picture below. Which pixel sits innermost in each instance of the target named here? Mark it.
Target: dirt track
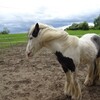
(40, 79)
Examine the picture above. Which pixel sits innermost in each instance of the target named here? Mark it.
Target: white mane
(49, 33)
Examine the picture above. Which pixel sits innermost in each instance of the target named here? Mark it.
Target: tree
(97, 22)
(80, 26)
(84, 26)
(5, 31)
(74, 26)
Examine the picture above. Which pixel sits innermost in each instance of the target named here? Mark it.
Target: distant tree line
(5, 31)
(84, 25)
(80, 26)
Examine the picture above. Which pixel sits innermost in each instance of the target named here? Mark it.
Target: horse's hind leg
(90, 76)
(72, 87)
(97, 72)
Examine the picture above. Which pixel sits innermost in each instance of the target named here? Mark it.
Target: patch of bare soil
(41, 78)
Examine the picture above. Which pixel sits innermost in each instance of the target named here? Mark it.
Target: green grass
(82, 32)
(7, 40)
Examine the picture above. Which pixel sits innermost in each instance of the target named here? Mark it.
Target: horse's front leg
(72, 87)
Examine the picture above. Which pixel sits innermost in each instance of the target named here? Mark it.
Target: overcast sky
(20, 14)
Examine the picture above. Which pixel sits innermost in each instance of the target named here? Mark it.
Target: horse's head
(43, 35)
(33, 43)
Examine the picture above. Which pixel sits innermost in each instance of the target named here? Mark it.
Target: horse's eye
(31, 38)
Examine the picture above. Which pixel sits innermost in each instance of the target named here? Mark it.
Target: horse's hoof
(88, 83)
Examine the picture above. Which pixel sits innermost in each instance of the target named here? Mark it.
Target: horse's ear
(36, 30)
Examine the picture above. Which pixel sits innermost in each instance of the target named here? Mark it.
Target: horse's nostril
(29, 54)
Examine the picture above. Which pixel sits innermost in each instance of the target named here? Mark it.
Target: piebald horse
(70, 52)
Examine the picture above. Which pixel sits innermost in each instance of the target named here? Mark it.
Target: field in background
(8, 40)
(82, 32)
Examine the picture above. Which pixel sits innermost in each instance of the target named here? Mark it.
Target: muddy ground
(41, 78)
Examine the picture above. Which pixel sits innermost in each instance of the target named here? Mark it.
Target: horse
(70, 51)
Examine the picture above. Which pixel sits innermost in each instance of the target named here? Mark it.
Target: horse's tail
(96, 40)
(97, 71)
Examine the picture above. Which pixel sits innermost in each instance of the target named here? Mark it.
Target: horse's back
(91, 37)
(94, 38)
(88, 36)
(89, 46)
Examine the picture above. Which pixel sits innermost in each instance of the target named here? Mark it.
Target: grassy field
(82, 32)
(13, 37)
(8, 40)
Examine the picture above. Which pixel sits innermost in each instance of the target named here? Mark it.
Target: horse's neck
(56, 44)
(62, 44)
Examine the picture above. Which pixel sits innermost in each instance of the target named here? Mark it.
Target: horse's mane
(50, 33)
